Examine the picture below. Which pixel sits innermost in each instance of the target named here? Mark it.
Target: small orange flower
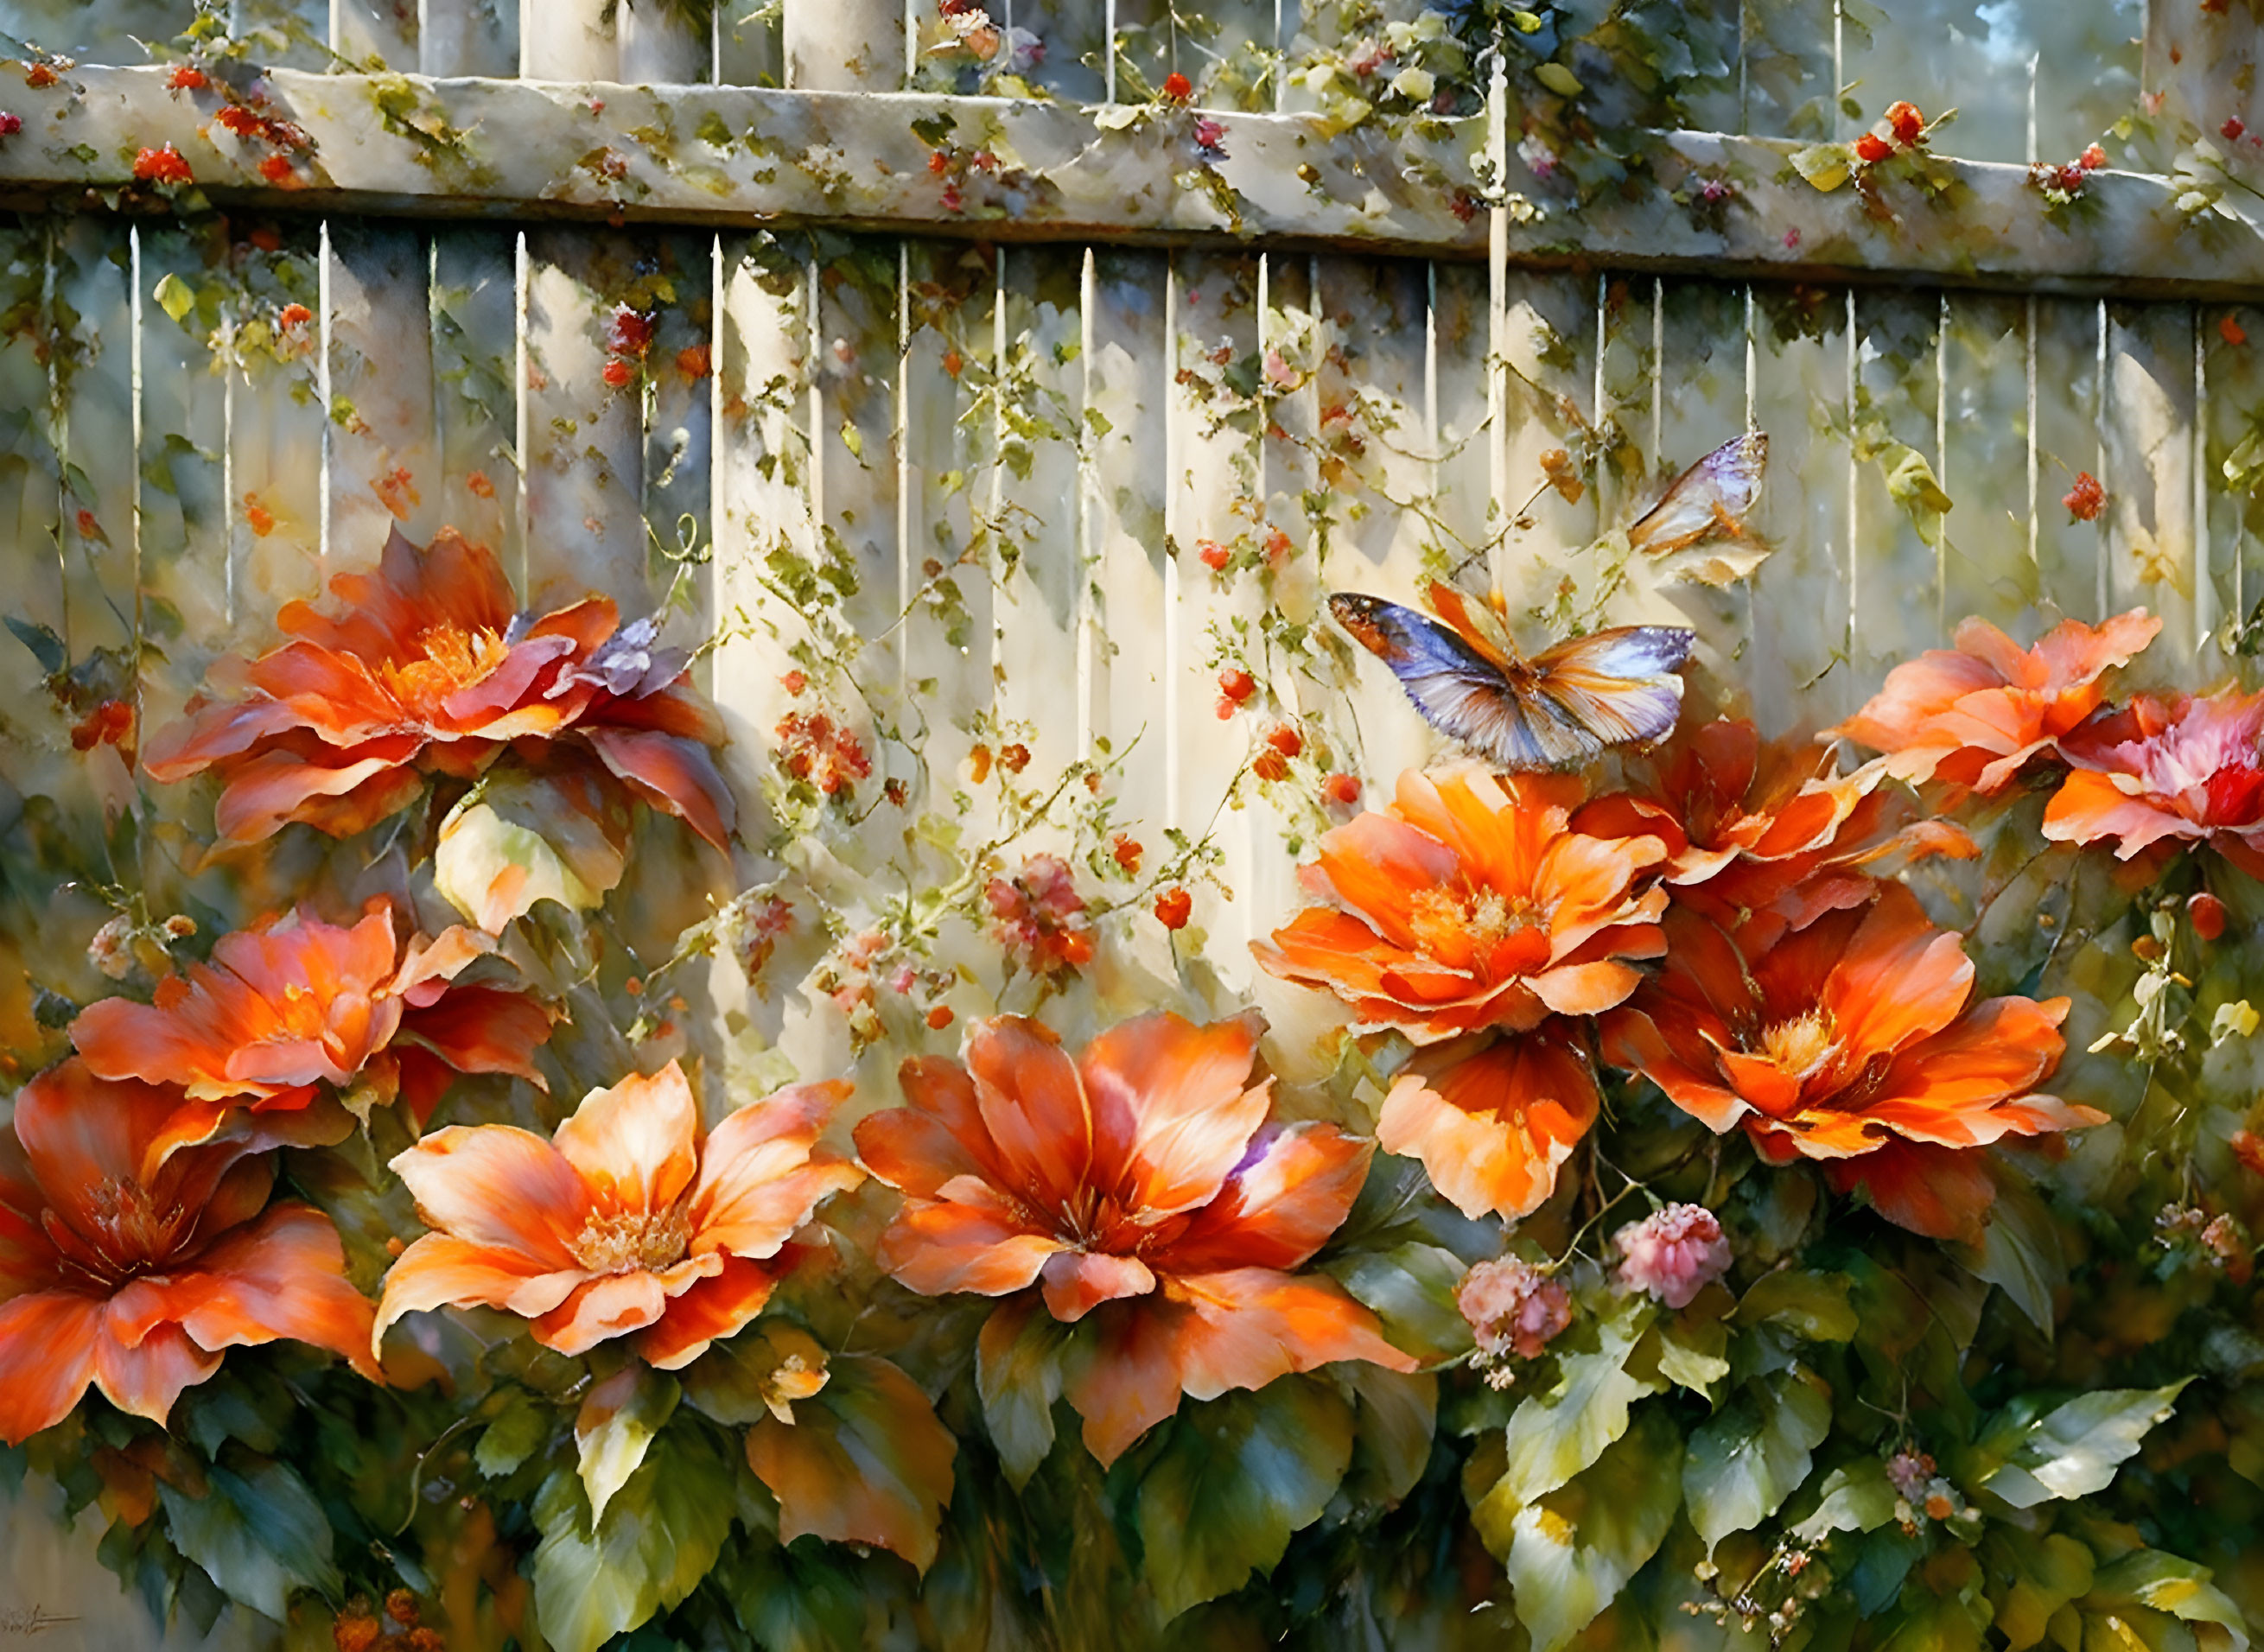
(294, 1004)
(135, 1281)
(1852, 1041)
(1977, 715)
(1471, 904)
(2168, 771)
(1764, 832)
(626, 1222)
(1138, 1187)
(428, 669)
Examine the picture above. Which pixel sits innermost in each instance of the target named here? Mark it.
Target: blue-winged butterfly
(1563, 705)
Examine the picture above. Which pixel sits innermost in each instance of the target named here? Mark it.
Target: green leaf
(617, 1423)
(258, 1535)
(1572, 1551)
(854, 439)
(2020, 1252)
(1397, 1416)
(519, 838)
(2163, 1583)
(1813, 1306)
(1694, 1353)
(46, 646)
(758, 1373)
(864, 1460)
(1929, 1622)
(1855, 1496)
(1410, 1289)
(661, 1534)
(1558, 79)
(516, 1434)
(1236, 1476)
(176, 297)
(1912, 484)
(2045, 1571)
(2074, 1450)
(1018, 1373)
(1746, 1461)
(1825, 165)
(1554, 1436)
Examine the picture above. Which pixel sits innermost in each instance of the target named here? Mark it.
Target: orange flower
(1493, 1118)
(1138, 1185)
(1764, 832)
(135, 1281)
(624, 1222)
(1471, 903)
(428, 669)
(1850, 1041)
(2181, 769)
(1977, 715)
(293, 1004)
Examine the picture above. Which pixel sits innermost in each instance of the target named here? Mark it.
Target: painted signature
(17, 1621)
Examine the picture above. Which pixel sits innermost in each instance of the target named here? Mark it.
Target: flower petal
(1078, 1281)
(1938, 1191)
(634, 1144)
(600, 1310)
(1170, 1113)
(940, 1135)
(282, 1276)
(971, 1242)
(144, 1378)
(1127, 1379)
(499, 1186)
(46, 1358)
(1032, 1107)
(678, 775)
(1493, 1128)
(758, 1182)
(711, 1310)
(1279, 1206)
(1250, 1325)
(442, 1271)
(483, 1030)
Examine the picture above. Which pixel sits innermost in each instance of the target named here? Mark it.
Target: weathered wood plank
(497, 147)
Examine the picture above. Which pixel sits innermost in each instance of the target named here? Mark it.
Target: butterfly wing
(1619, 686)
(1562, 708)
(1707, 500)
(1479, 625)
(1461, 693)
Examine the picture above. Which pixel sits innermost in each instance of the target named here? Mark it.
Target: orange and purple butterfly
(1708, 501)
(1563, 705)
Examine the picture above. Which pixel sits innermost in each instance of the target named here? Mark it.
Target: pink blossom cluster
(1041, 916)
(1515, 1310)
(1673, 1253)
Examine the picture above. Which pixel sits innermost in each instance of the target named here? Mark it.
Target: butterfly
(1563, 705)
(1708, 501)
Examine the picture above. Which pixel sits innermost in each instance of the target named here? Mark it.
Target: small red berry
(1285, 739)
(1173, 908)
(1341, 789)
(1871, 148)
(1225, 709)
(2092, 159)
(294, 315)
(939, 1017)
(619, 373)
(275, 168)
(10, 124)
(1268, 766)
(1907, 123)
(1215, 556)
(162, 165)
(1176, 86)
(938, 162)
(952, 361)
(1236, 683)
(2084, 500)
(188, 77)
(1126, 852)
(2208, 915)
(2232, 128)
(39, 76)
(794, 682)
(2231, 331)
(1014, 759)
